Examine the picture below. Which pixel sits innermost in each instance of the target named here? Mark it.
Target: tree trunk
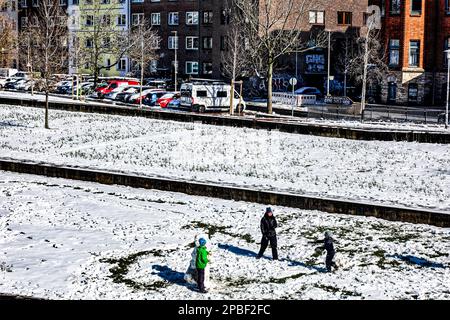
(46, 109)
(269, 87)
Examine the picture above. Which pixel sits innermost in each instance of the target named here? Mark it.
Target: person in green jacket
(201, 262)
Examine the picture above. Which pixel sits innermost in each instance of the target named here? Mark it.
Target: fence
(289, 99)
(424, 114)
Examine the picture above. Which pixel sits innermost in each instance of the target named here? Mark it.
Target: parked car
(127, 92)
(113, 84)
(14, 83)
(151, 98)
(166, 98)
(136, 98)
(113, 94)
(24, 85)
(174, 104)
(202, 95)
(441, 118)
(309, 90)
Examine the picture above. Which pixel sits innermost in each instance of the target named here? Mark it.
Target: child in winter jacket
(329, 247)
(201, 262)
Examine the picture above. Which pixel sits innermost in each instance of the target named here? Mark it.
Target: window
(202, 93)
(89, 20)
(225, 16)
(13, 5)
(137, 18)
(222, 94)
(416, 7)
(223, 43)
(75, 2)
(344, 18)
(192, 68)
(447, 6)
(88, 2)
(207, 43)
(395, 6)
(153, 66)
(156, 19)
(392, 92)
(192, 17)
(414, 53)
(88, 43)
(108, 64)
(316, 17)
(191, 43)
(173, 42)
(207, 68)
(106, 19)
(446, 47)
(394, 52)
(121, 19)
(24, 21)
(207, 17)
(34, 3)
(173, 18)
(413, 92)
(23, 3)
(4, 6)
(122, 65)
(62, 2)
(106, 42)
(104, 1)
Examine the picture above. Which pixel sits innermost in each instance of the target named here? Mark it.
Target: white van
(206, 95)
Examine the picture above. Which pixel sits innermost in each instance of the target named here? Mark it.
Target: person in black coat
(268, 225)
(329, 247)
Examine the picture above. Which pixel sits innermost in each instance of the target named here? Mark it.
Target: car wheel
(202, 109)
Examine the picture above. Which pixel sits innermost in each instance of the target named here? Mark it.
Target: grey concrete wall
(436, 218)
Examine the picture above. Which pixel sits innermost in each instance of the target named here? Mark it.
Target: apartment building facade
(415, 35)
(195, 29)
(9, 30)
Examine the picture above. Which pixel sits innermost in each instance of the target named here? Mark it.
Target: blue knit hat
(202, 241)
(269, 209)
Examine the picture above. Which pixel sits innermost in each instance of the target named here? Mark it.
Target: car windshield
(167, 96)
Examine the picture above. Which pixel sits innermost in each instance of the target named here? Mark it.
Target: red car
(113, 84)
(165, 99)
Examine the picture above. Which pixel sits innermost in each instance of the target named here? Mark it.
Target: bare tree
(366, 62)
(144, 43)
(274, 29)
(46, 41)
(234, 59)
(100, 38)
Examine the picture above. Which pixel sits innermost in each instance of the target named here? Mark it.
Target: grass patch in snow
(213, 229)
(120, 271)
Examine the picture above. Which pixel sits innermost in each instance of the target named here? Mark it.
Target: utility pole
(142, 64)
(329, 58)
(176, 62)
(448, 88)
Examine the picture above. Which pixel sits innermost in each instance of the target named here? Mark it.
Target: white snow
(394, 173)
(63, 239)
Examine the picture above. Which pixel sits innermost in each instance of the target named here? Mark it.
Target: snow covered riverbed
(69, 239)
(395, 173)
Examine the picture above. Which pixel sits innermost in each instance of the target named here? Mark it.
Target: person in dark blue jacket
(329, 247)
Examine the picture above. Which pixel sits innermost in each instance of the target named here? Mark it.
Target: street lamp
(329, 58)
(176, 62)
(448, 87)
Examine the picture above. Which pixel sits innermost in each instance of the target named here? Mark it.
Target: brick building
(415, 34)
(200, 28)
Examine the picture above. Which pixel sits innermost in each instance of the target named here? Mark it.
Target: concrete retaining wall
(440, 219)
(266, 124)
